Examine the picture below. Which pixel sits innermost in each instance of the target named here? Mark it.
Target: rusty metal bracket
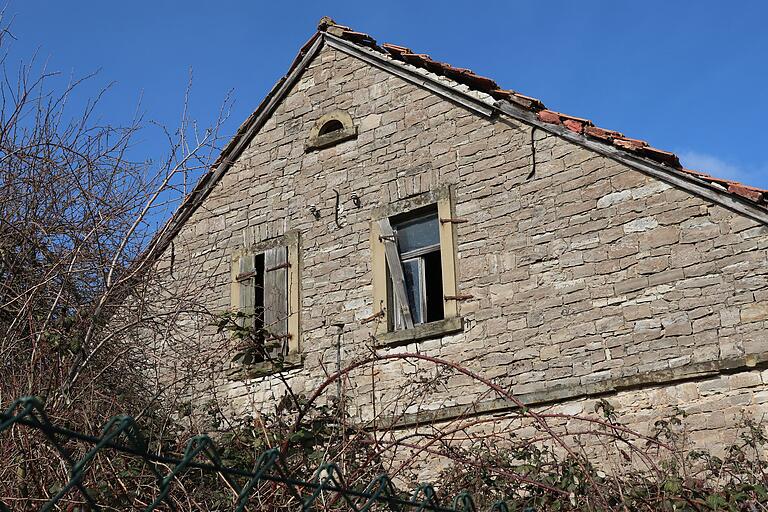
(373, 317)
(465, 296)
(453, 221)
(244, 276)
(278, 267)
(391, 238)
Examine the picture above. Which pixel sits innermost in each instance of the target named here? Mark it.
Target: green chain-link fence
(121, 434)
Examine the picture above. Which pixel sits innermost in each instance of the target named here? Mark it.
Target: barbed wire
(122, 434)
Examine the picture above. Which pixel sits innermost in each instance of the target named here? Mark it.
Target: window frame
(293, 356)
(417, 256)
(443, 197)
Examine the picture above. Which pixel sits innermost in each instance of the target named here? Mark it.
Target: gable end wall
(582, 271)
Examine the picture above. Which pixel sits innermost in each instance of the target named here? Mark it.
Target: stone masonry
(586, 277)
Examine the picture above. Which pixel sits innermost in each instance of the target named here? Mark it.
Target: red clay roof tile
(396, 48)
(664, 157)
(574, 118)
(573, 125)
(630, 144)
(752, 193)
(602, 134)
(547, 116)
(359, 37)
(527, 102)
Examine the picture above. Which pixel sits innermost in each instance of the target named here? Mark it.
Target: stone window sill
(266, 368)
(331, 139)
(421, 332)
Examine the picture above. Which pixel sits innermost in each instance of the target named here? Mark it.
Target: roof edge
(396, 59)
(676, 177)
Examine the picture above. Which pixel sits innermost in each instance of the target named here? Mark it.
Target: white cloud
(710, 164)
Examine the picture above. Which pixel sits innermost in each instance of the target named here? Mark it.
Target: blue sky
(686, 76)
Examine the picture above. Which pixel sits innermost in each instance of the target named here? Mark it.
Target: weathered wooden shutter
(276, 300)
(396, 272)
(246, 282)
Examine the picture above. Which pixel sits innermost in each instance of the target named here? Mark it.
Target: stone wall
(581, 270)
(711, 411)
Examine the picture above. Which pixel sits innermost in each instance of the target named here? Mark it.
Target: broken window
(413, 258)
(412, 251)
(265, 300)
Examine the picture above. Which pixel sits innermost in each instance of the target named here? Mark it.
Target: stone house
(378, 200)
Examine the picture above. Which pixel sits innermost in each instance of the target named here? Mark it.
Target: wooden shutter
(276, 300)
(245, 280)
(448, 249)
(396, 271)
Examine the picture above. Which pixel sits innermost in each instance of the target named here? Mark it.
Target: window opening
(417, 240)
(258, 297)
(251, 283)
(334, 125)
(262, 281)
(331, 129)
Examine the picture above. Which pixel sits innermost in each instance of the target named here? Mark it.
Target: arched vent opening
(334, 125)
(332, 128)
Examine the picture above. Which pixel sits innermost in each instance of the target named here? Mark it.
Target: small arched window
(331, 129)
(334, 125)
